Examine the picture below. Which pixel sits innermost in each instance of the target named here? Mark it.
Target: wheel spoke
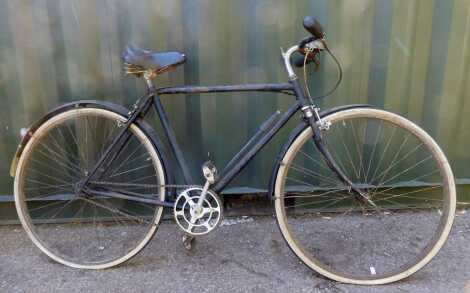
(131, 170)
(384, 173)
(407, 170)
(406, 194)
(358, 150)
(126, 160)
(327, 194)
(313, 160)
(119, 211)
(49, 176)
(79, 149)
(385, 151)
(60, 159)
(330, 202)
(373, 150)
(63, 152)
(52, 169)
(349, 157)
(411, 180)
(313, 173)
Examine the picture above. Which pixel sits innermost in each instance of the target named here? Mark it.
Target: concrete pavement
(244, 255)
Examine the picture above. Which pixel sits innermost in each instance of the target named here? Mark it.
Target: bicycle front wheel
(392, 231)
(91, 231)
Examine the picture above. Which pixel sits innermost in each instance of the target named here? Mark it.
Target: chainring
(195, 220)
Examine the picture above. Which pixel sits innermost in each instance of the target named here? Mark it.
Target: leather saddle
(138, 60)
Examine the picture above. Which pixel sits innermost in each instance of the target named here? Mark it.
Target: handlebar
(313, 44)
(308, 48)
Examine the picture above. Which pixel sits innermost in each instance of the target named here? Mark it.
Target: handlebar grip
(314, 27)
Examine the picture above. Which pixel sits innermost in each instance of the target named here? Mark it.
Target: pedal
(210, 172)
(188, 242)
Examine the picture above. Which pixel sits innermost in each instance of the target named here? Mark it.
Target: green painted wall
(407, 56)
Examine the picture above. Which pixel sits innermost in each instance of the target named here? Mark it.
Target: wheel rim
(354, 242)
(87, 231)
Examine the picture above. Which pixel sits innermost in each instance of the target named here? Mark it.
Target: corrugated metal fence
(411, 57)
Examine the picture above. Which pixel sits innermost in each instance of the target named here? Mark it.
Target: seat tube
(149, 75)
(170, 134)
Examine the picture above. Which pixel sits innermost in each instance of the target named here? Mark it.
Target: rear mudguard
(294, 134)
(146, 128)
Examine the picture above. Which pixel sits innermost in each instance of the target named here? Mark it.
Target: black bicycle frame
(264, 134)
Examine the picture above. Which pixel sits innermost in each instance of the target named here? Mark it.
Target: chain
(180, 186)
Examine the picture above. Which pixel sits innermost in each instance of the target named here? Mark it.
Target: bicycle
(361, 195)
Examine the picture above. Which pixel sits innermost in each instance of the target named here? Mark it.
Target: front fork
(312, 117)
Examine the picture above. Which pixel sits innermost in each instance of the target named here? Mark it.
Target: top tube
(262, 87)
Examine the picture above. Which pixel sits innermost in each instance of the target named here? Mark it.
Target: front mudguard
(148, 130)
(294, 134)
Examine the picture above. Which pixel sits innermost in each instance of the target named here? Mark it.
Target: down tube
(228, 176)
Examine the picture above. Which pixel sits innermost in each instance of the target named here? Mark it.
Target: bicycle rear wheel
(92, 231)
(410, 190)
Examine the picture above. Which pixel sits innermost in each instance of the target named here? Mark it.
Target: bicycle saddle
(160, 62)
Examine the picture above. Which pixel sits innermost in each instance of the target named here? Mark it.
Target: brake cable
(308, 51)
(340, 74)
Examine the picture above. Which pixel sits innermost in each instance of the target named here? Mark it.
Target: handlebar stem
(287, 56)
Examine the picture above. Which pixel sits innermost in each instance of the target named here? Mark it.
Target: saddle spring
(134, 69)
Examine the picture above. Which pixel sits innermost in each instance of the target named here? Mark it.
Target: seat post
(149, 75)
